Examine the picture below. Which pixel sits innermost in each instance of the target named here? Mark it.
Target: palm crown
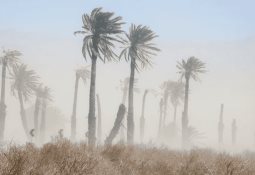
(99, 29)
(176, 93)
(83, 73)
(23, 80)
(138, 45)
(191, 68)
(10, 57)
(46, 94)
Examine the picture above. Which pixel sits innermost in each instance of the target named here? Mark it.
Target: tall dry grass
(64, 158)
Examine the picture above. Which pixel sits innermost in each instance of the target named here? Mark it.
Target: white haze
(229, 80)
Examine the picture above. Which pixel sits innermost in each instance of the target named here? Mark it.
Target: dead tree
(117, 124)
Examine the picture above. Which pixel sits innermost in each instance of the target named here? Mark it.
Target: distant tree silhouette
(38, 102)
(100, 30)
(138, 49)
(84, 74)
(24, 82)
(234, 130)
(160, 117)
(46, 97)
(8, 60)
(142, 118)
(190, 68)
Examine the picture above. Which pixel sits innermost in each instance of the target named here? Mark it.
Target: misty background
(220, 33)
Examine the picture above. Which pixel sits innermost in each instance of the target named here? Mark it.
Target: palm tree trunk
(117, 124)
(99, 121)
(185, 114)
(165, 108)
(92, 96)
(130, 116)
(73, 119)
(43, 122)
(2, 103)
(36, 115)
(142, 119)
(23, 114)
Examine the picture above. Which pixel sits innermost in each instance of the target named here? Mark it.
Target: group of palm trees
(102, 31)
(24, 84)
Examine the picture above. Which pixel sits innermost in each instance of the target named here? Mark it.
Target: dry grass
(65, 158)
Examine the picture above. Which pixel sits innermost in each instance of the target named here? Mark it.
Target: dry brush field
(65, 158)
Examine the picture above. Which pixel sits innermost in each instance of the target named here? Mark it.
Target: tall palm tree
(99, 30)
(24, 82)
(138, 49)
(166, 92)
(83, 74)
(46, 97)
(176, 96)
(190, 68)
(9, 59)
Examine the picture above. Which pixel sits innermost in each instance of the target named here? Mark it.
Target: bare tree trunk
(142, 119)
(43, 121)
(23, 115)
(73, 119)
(185, 120)
(2, 102)
(117, 123)
(175, 110)
(36, 115)
(130, 116)
(99, 121)
(92, 96)
(221, 126)
(160, 117)
(234, 130)
(124, 99)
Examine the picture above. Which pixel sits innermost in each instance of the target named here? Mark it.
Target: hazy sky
(220, 32)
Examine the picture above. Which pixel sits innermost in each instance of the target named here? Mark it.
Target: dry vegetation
(65, 158)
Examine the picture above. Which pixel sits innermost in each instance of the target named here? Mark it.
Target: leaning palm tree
(24, 82)
(46, 97)
(8, 60)
(84, 74)
(138, 49)
(100, 30)
(190, 68)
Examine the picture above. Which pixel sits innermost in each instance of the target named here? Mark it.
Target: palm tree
(24, 82)
(9, 59)
(46, 97)
(176, 96)
(166, 92)
(138, 49)
(142, 119)
(100, 30)
(83, 74)
(190, 68)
